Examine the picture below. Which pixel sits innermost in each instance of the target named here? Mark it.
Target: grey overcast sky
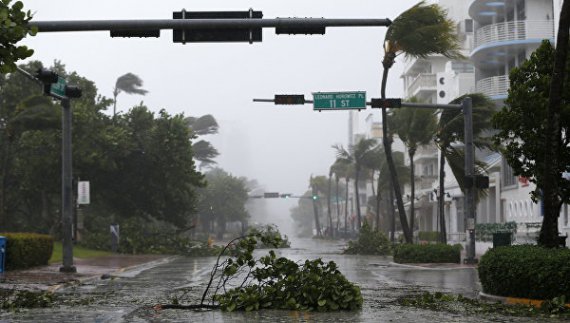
(280, 146)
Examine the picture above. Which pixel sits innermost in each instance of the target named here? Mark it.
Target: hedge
(25, 250)
(428, 253)
(526, 271)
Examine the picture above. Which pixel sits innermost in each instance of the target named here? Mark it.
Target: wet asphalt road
(130, 296)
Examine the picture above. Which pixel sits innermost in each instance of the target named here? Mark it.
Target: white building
(496, 36)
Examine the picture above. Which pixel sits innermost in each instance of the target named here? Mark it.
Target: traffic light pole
(66, 188)
(188, 24)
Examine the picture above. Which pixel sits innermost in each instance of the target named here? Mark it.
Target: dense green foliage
(15, 27)
(526, 271)
(278, 283)
(369, 242)
(140, 164)
(522, 121)
(25, 250)
(484, 231)
(271, 231)
(428, 253)
(222, 201)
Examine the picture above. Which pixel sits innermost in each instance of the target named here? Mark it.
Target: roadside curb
(513, 300)
(112, 274)
(395, 264)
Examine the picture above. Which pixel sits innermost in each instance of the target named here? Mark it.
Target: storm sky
(280, 146)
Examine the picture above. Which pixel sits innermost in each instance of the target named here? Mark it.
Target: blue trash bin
(2, 253)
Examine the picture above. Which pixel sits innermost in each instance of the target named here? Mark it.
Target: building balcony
(512, 33)
(495, 87)
(423, 82)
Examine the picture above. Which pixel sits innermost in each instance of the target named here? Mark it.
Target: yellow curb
(526, 301)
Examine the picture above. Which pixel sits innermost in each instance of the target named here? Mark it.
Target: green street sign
(339, 100)
(59, 87)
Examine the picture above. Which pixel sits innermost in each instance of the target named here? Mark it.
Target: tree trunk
(549, 231)
(316, 211)
(357, 198)
(346, 209)
(440, 199)
(331, 231)
(389, 159)
(337, 205)
(378, 198)
(392, 216)
(411, 153)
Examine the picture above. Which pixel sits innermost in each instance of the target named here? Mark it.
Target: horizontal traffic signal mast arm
(158, 24)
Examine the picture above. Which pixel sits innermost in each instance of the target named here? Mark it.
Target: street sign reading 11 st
(339, 100)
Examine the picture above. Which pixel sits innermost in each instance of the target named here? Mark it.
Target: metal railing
(514, 30)
(494, 86)
(423, 80)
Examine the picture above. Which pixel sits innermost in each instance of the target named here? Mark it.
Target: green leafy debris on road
(459, 304)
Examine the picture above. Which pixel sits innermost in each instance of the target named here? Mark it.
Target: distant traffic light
(271, 195)
(72, 91)
(315, 197)
(286, 196)
(289, 99)
(386, 103)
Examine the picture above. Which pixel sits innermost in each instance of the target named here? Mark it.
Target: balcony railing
(422, 81)
(514, 30)
(494, 86)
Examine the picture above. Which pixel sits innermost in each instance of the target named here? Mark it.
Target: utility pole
(470, 184)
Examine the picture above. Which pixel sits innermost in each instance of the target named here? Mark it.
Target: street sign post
(339, 100)
(58, 89)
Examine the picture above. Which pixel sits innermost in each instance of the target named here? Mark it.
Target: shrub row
(25, 250)
(526, 271)
(429, 253)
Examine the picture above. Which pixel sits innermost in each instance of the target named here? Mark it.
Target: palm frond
(204, 152)
(204, 125)
(130, 84)
(421, 31)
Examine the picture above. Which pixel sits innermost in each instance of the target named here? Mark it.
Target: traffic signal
(477, 181)
(386, 103)
(315, 197)
(217, 35)
(271, 195)
(285, 196)
(47, 77)
(289, 99)
(72, 92)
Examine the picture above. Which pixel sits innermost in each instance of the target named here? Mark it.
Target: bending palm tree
(418, 32)
(450, 129)
(203, 151)
(339, 170)
(358, 155)
(128, 83)
(416, 128)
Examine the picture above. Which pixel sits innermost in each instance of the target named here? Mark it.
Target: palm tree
(339, 169)
(203, 151)
(450, 129)
(416, 128)
(358, 155)
(128, 83)
(420, 31)
(317, 185)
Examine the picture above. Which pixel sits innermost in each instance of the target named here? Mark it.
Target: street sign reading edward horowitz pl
(339, 100)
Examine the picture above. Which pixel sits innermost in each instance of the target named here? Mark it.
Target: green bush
(25, 250)
(428, 253)
(370, 242)
(526, 271)
(431, 236)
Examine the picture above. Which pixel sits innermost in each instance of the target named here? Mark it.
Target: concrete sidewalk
(50, 278)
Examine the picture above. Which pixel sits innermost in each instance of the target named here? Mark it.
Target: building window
(507, 175)
(442, 94)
